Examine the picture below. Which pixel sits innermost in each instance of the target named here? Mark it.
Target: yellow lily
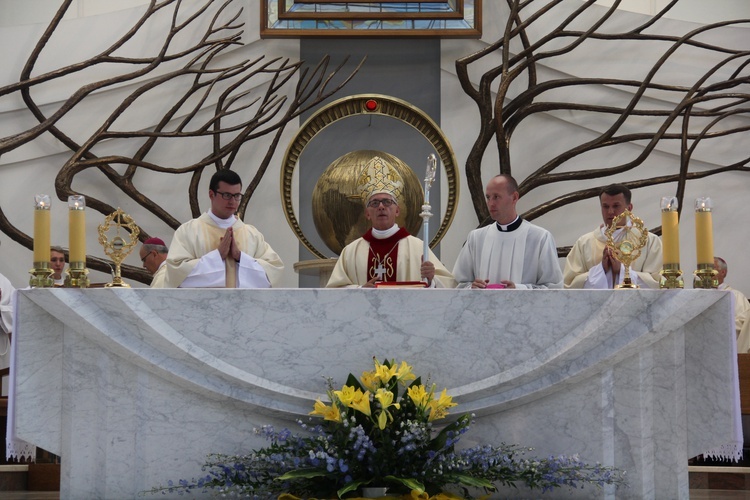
(386, 401)
(361, 402)
(369, 381)
(327, 412)
(404, 373)
(419, 395)
(439, 407)
(346, 395)
(384, 373)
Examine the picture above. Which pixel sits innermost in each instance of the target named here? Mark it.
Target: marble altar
(133, 387)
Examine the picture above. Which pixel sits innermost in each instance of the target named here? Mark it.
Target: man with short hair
(217, 249)
(741, 305)
(153, 254)
(512, 252)
(386, 252)
(57, 263)
(591, 264)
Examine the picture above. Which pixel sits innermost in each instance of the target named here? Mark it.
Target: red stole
(383, 255)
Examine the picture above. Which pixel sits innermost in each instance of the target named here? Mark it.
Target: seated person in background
(57, 263)
(153, 255)
(741, 305)
(591, 264)
(217, 249)
(512, 252)
(386, 252)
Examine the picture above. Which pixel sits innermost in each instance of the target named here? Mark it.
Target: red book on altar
(400, 284)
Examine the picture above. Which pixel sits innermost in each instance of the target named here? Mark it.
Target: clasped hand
(610, 262)
(228, 246)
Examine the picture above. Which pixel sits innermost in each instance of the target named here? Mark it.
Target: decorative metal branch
(243, 111)
(693, 121)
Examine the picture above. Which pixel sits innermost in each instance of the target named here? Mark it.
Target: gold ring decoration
(118, 249)
(628, 246)
(369, 104)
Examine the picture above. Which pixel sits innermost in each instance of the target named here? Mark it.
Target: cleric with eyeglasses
(386, 253)
(218, 250)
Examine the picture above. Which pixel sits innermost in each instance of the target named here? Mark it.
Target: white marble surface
(133, 387)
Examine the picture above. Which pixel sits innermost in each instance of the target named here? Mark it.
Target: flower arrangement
(379, 430)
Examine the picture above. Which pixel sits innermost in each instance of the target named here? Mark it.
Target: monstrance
(626, 246)
(118, 249)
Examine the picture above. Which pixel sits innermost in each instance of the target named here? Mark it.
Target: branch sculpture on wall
(238, 111)
(512, 91)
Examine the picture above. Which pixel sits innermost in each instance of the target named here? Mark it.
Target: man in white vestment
(386, 252)
(741, 306)
(512, 252)
(217, 249)
(153, 254)
(591, 264)
(57, 264)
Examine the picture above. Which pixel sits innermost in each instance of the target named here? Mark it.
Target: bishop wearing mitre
(386, 252)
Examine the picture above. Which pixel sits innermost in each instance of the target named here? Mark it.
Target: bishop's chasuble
(398, 257)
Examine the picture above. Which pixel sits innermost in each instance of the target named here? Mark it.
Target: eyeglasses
(387, 202)
(143, 259)
(229, 196)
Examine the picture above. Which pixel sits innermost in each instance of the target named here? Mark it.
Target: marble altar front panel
(133, 387)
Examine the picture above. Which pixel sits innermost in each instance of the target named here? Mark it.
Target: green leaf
(476, 482)
(410, 483)
(303, 474)
(350, 487)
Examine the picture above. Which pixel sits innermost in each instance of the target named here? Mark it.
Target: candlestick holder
(118, 249)
(671, 277)
(705, 277)
(77, 275)
(41, 276)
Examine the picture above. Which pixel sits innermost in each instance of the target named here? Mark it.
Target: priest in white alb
(386, 252)
(217, 249)
(591, 264)
(512, 252)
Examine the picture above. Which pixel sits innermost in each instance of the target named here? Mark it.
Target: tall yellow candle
(704, 231)
(77, 228)
(670, 231)
(41, 229)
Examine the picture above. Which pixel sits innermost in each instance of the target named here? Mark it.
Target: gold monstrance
(118, 249)
(629, 242)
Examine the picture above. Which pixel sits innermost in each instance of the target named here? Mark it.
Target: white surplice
(526, 256)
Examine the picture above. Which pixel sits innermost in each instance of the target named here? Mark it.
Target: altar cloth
(133, 387)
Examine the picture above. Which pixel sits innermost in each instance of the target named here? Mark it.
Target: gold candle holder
(705, 274)
(671, 275)
(41, 274)
(77, 272)
(77, 275)
(705, 277)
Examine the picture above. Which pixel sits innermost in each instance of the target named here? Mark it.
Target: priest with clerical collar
(512, 252)
(386, 252)
(218, 250)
